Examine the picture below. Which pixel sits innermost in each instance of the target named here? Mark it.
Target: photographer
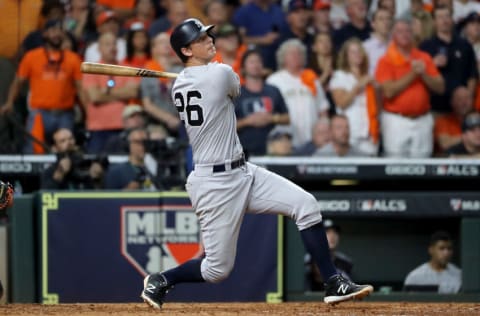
(132, 175)
(72, 170)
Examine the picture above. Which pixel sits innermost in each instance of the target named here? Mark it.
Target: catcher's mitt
(6, 196)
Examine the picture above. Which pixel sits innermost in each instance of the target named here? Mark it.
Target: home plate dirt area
(207, 309)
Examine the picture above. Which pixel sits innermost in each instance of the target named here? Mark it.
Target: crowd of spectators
(397, 78)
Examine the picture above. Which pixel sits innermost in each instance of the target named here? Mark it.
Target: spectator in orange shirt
(448, 127)
(406, 76)
(138, 46)
(54, 81)
(108, 96)
(229, 47)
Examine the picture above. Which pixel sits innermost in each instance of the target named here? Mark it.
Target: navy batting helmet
(187, 32)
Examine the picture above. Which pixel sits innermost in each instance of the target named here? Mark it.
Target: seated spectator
(108, 96)
(259, 107)
(320, 137)
(448, 127)
(133, 117)
(279, 142)
(133, 174)
(406, 76)
(339, 145)
(73, 169)
(438, 274)
(354, 94)
(107, 22)
(54, 81)
(300, 88)
(341, 261)
(469, 147)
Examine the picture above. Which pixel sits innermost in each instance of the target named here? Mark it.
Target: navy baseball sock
(187, 272)
(315, 241)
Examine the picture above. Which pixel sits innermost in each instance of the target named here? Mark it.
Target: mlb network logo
(155, 239)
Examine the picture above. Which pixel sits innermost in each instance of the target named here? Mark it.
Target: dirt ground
(297, 308)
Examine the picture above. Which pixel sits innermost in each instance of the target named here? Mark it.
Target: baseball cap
(279, 131)
(105, 16)
(131, 110)
(294, 5)
(321, 5)
(328, 223)
(471, 121)
(53, 23)
(226, 30)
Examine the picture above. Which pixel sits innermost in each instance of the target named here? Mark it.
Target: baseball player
(223, 186)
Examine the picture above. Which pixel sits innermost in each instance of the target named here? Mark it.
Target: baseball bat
(116, 70)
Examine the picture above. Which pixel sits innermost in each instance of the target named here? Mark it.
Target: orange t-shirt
(447, 125)
(52, 84)
(117, 4)
(104, 116)
(19, 18)
(415, 99)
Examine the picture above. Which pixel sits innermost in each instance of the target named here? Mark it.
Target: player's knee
(309, 212)
(218, 272)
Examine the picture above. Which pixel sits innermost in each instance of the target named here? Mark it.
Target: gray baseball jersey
(203, 97)
(221, 196)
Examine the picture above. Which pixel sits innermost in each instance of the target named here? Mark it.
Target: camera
(81, 163)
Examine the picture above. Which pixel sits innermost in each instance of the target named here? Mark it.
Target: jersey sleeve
(230, 79)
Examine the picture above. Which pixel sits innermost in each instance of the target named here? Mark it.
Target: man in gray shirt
(438, 273)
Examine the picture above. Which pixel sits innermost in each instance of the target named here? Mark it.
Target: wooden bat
(116, 70)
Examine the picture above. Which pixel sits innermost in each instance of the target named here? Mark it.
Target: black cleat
(155, 287)
(339, 289)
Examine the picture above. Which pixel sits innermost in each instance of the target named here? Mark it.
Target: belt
(410, 116)
(233, 165)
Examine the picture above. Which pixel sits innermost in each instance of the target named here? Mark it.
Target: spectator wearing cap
(376, 44)
(54, 81)
(259, 108)
(144, 13)
(107, 22)
(448, 127)
(260, 23)
(279, 142)
(321, 17)
(358, 26)
(469, 147)
(300, 88)
(453, 56)
(177, 12)
(406, 76)
(155, 92)
(108, 96)
(339, 144)
(229, 47)
(341, 261)
(138, 46)
(298, 20)
(320, 137)
(133, 117)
